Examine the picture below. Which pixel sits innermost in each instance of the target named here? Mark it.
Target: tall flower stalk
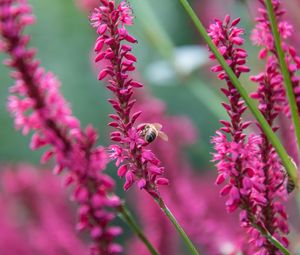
(134, 160)
(237, 155)
(224, 149)
(273, 214)
(270, 33)
(37, 105)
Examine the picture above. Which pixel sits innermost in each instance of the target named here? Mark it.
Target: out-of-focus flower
(207, 9)
(34, 215)
(134, 161)
(38, 106)
(87, 5)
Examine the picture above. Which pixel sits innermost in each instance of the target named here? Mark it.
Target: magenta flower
(227, 37)
(271, 98)
(239, 158)
(38, 106)
(232, 163)
(136, 163)
(262, 36)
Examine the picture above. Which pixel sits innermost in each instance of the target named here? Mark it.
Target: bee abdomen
(150, 137)
(290, 185)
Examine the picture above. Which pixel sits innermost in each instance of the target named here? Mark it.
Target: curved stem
(272, 137)
(179, 229)
(285, 72)
(126, 216)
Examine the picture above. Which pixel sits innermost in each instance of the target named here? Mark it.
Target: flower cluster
(270, 92)
(38, 106)
(239, 156)
(270, 96)
(134, 161)
(262, 36)
(227, 37)
(232, 155)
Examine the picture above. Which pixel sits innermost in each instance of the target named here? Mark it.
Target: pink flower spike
(243, 161)
(269, 94)
(139, 165)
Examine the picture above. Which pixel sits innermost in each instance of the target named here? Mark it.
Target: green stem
(285, 71)
(179, 229)
(272, 239)
(277, 244)
(289, 166)
(125, 215)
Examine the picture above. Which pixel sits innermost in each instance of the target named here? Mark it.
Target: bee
(151, 131)
(290, 185)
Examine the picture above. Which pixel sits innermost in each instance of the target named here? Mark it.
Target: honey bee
(151, 131)
(290, 185)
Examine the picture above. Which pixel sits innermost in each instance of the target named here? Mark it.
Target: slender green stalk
(272, 137)
(277, 244)
(125, 215)
(285, 72)
(272, 239)
(179, 229)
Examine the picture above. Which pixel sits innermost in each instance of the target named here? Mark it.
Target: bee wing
(163, 136)
(158, 126)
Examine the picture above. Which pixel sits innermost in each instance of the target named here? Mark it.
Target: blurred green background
(64, 40)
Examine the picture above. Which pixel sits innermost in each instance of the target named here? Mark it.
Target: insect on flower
(151, 131)
(290, 185)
